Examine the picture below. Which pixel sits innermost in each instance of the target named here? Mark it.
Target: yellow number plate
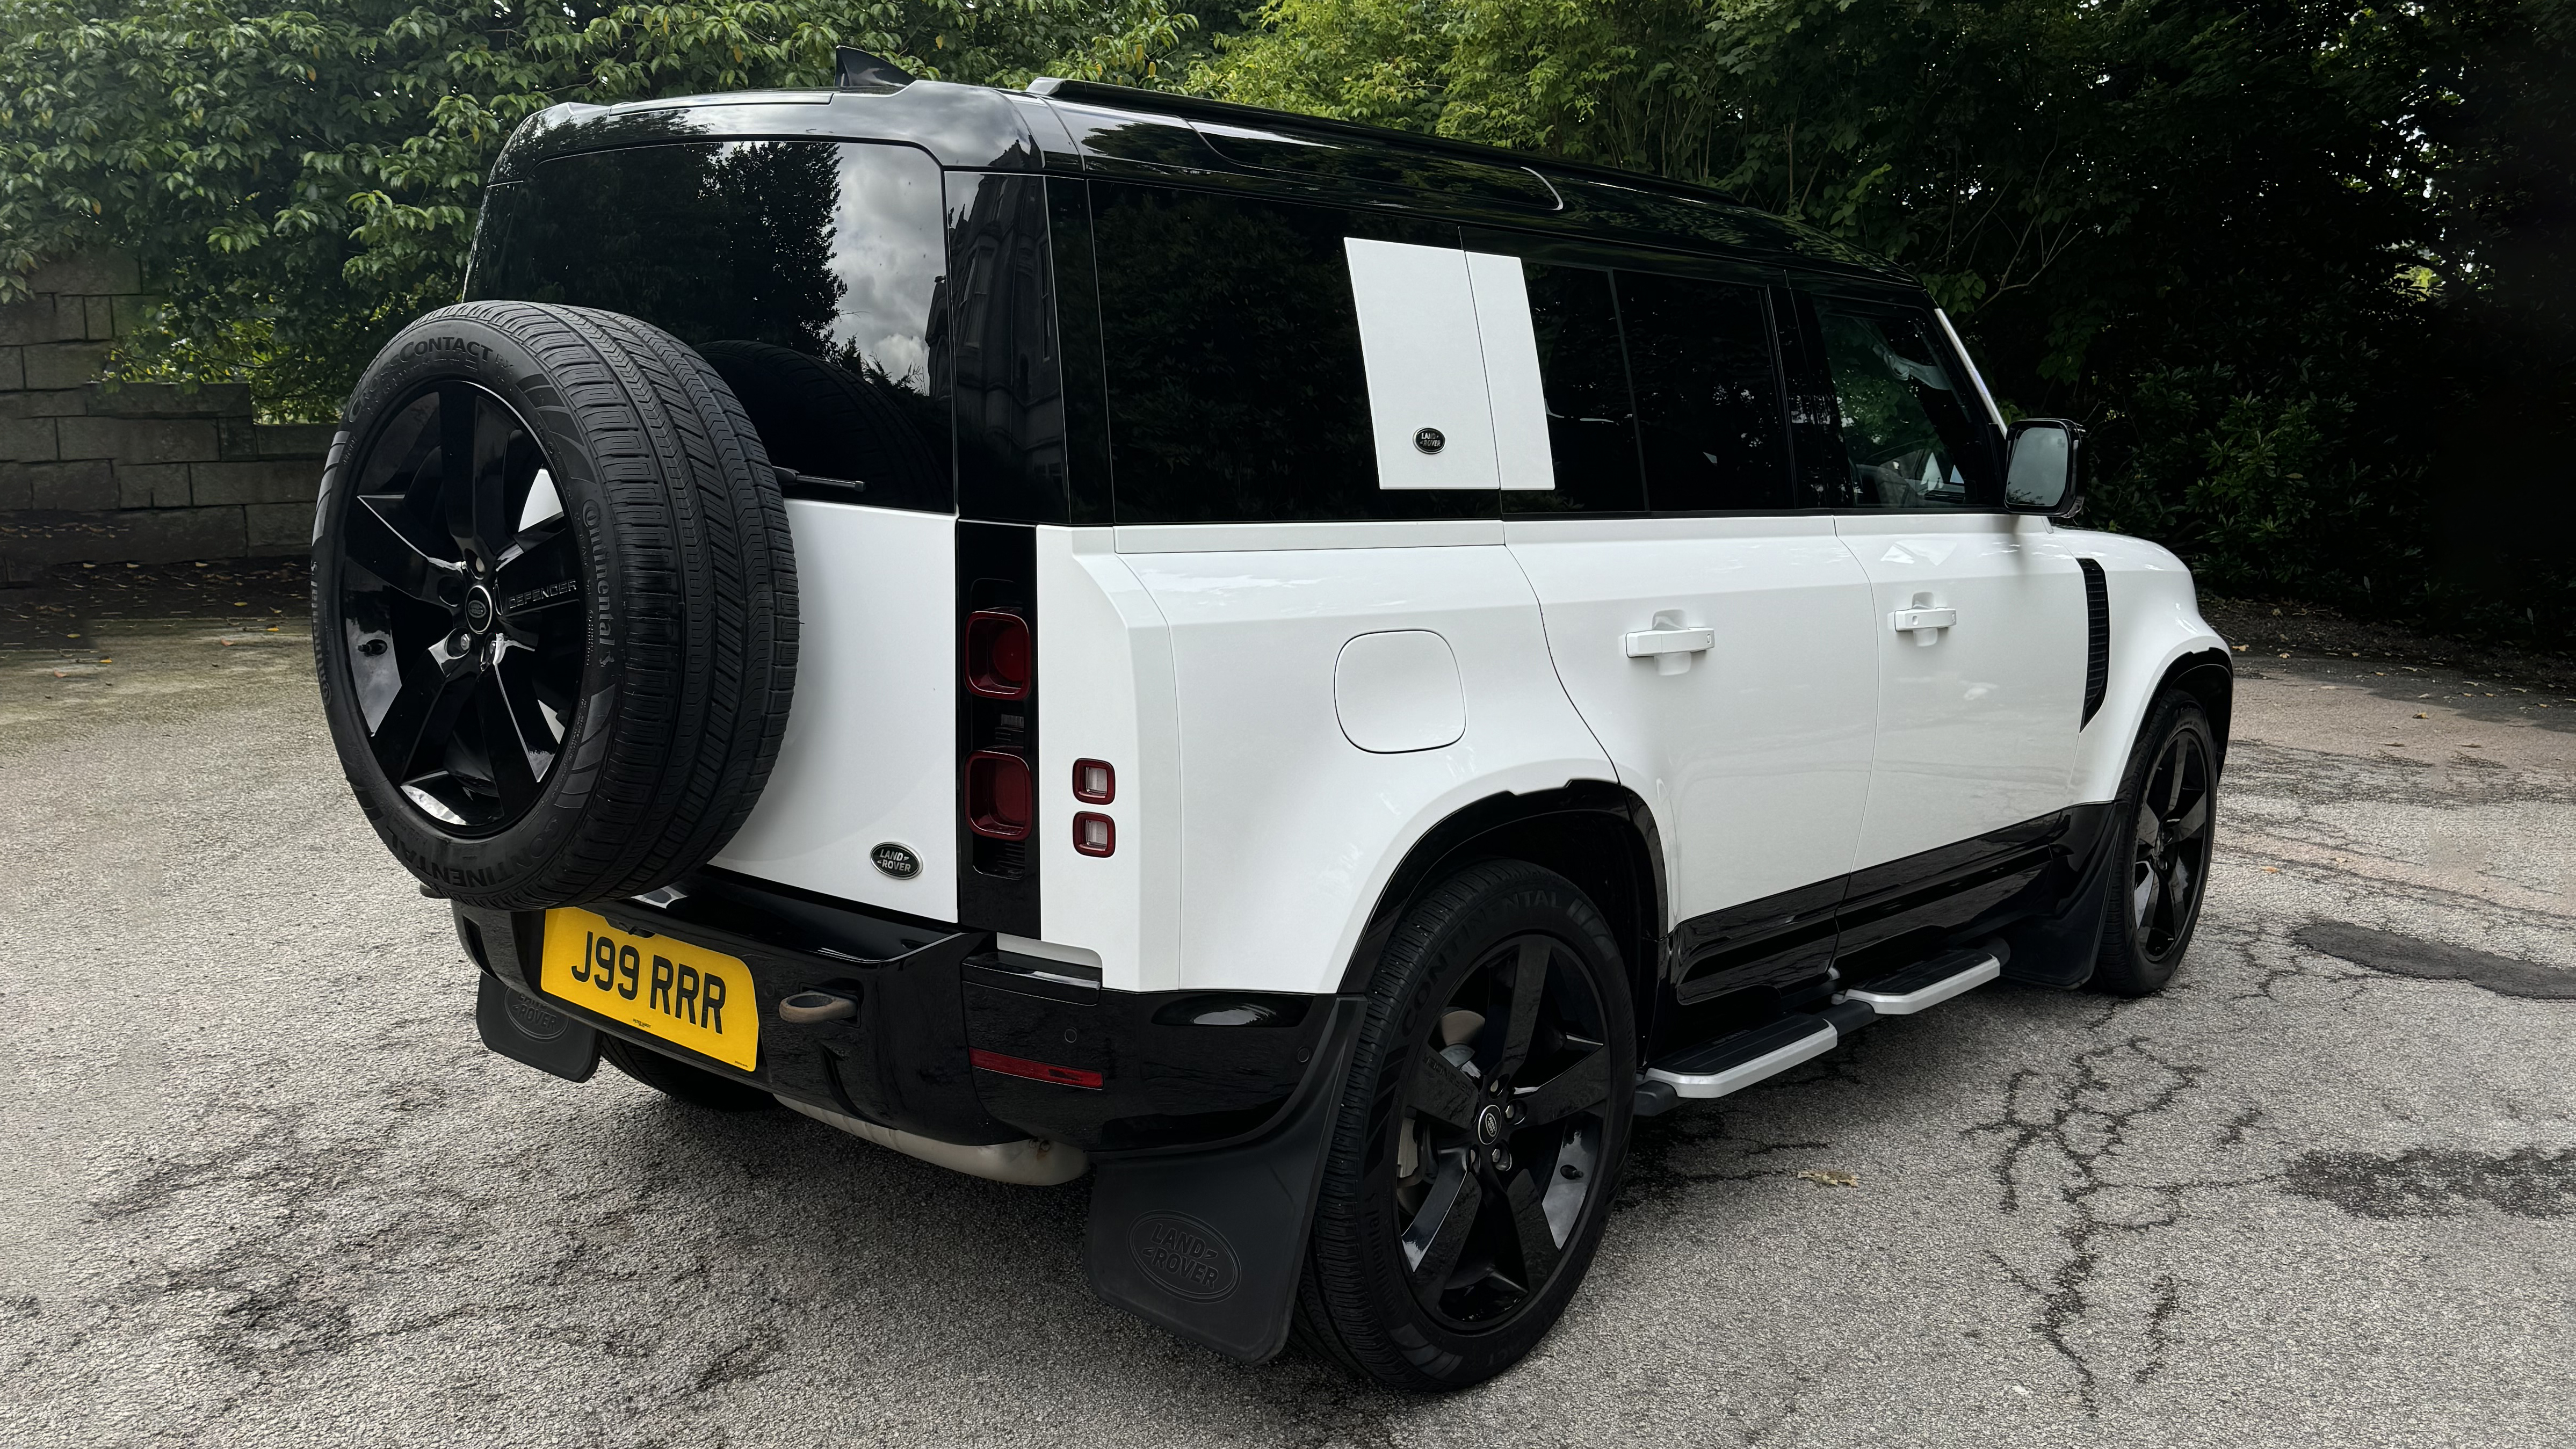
(678, 992)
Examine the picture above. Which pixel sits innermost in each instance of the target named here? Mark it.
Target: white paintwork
(1976, 730)
(2155, 622)
(1907, 1003)
(1105, 693)
(1286, 833)
(1027, 1162)
(1397, 691)
(871, 748)
(1744, 1074)
(1510, 344)
(1418, 339)
(1293, 537)
(1755, 760)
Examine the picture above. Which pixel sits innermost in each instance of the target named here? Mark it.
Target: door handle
(1670, 643)
(1925, 624)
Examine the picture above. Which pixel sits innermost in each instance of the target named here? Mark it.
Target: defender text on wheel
(1313, 676)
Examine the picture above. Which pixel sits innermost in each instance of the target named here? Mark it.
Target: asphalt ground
(262, 1185)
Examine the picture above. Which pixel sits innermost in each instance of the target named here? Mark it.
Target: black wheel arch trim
(1511, 825)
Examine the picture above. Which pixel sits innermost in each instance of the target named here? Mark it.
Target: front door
(1978, 615)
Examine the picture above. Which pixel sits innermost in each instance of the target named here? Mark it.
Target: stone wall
(143, 472)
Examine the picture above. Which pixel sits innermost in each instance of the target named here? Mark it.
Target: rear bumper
(952, 1038)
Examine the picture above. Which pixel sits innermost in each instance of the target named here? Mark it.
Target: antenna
(856, 70)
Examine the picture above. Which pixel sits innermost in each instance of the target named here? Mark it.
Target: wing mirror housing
(2045, 474)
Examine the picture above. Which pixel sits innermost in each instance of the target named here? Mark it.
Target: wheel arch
(1599, 835)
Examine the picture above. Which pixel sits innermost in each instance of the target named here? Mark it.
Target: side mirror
(2043, 476)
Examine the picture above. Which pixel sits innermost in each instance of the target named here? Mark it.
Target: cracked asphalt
(264, 1187)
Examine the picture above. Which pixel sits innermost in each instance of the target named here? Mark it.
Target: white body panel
(1418, 337)
(870, 754)
(1976, 719)
(1104, 656)
(1755, 755)
(2155, 621)
(1287, 830)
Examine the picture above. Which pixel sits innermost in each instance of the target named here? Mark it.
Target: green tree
(299, 179)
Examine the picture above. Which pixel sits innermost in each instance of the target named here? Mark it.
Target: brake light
(997, 654)
(999, 803)
(1094, 833)
(1094, 783)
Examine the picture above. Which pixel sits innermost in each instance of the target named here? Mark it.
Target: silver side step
(1706, 1074)
(1929, 984)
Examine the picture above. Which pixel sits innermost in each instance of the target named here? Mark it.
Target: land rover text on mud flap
(1309, 674)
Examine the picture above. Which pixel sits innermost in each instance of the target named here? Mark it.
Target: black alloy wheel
(2164, 823)
(2170, 860)
(461, 596)
(1499, 1147)
(1480, 1134)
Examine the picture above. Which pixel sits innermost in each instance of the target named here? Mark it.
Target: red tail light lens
(1094, 834)
(1094, 783)
(999, 803)
(998, 664)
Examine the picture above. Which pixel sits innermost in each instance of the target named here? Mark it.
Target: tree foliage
(301, 178)
(2266, 250)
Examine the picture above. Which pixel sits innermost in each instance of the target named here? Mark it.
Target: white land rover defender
(1310, 674)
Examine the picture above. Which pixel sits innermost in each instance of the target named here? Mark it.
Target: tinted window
(1010, 391)
(809, 273)
(1708, 394)
(1910, 436)
(1591, 425)
(1232, 352)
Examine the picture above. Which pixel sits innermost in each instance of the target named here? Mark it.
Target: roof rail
(1135, 98)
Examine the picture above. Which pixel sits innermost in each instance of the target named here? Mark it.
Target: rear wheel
(1479, 1137)
(2163, 824)
(693, 1085)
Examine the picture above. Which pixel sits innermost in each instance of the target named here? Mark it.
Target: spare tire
(554, 604)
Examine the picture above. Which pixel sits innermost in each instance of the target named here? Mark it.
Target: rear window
(1231, 342)
(807, 272)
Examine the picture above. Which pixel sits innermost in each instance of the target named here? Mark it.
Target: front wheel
(1480, 1135)
(2162, 826)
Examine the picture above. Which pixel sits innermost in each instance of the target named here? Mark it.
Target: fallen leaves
(1830, 1178)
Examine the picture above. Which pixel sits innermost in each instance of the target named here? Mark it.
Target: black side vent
(2097, 637)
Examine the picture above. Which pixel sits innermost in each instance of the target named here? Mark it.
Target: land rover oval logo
(1185, 1257)
(1430, 440)
(896, 860)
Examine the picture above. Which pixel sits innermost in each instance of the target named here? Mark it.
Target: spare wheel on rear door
(554, 604)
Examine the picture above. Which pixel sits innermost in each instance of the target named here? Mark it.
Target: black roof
(1081, 128)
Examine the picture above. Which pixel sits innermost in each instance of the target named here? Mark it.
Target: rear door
(1713, 631)
(1977, 615)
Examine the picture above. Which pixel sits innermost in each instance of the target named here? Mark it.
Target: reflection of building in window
(1009, 388)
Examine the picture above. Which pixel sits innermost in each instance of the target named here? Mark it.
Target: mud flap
(1209, 1243)
(525, 1031)
(2058, 949)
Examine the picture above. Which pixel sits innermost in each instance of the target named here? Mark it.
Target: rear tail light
(1094, 783)
(999, 803)
(997, 655)
(1094, 833)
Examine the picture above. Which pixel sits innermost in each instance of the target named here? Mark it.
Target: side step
(1736, 1061)
(1930, 982)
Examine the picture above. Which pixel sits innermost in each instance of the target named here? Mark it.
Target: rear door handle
(1924, 624)
(1671, 643)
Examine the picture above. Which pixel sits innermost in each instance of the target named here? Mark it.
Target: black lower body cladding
(555, 604)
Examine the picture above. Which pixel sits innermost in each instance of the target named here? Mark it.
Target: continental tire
(554, 604)
(2162, 825)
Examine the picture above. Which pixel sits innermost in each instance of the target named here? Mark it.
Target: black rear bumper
(953, 1038)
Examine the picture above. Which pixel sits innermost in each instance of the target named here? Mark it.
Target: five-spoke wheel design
(461, 604)
(1501, 1135)
(2171, 858)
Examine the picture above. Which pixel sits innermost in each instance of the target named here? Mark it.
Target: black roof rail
(1137, 99)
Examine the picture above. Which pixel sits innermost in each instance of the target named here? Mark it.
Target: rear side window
(1709, 410)
(1231, 346)
(807, 272)
(1591, 423)
(1909, 431)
